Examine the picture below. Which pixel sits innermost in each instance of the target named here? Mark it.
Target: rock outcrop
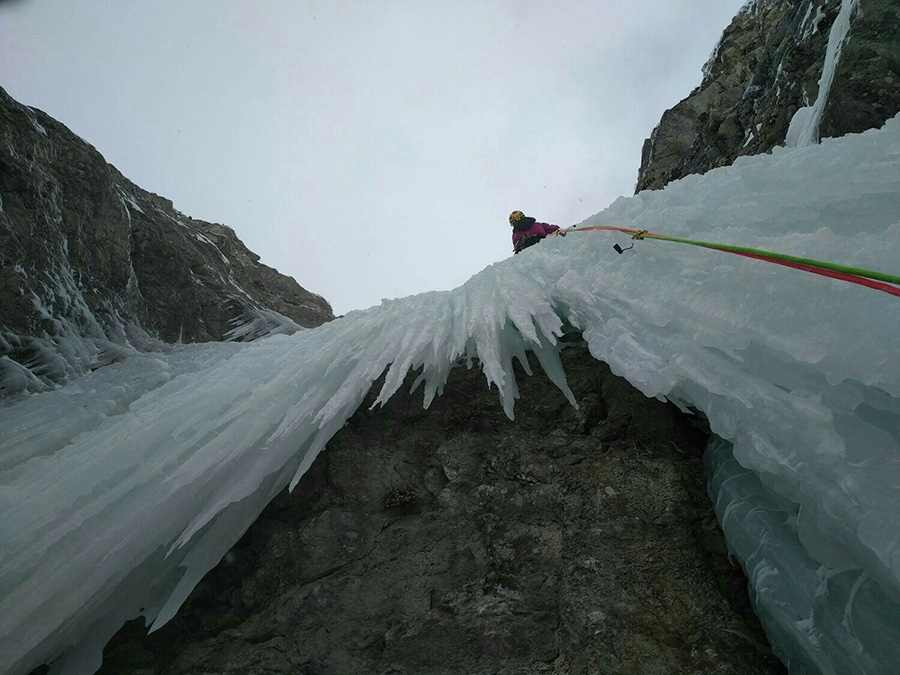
(92, 265)
(456, 541)
(766, 67)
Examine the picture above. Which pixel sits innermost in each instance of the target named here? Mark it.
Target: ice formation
(804, 127)
(121, 489)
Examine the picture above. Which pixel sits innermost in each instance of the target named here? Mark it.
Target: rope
(856, 275)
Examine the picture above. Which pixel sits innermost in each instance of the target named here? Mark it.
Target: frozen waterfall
(121, 489)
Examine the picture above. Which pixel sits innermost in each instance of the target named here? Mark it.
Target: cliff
(454, 540)
(769, 65)
(92, 266)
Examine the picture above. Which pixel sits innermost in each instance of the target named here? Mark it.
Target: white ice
(803, 129)
(121, 489)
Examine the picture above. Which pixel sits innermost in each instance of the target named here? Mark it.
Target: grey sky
(368, 149)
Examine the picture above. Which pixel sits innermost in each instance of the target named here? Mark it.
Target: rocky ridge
(92, 266)
(766, 67)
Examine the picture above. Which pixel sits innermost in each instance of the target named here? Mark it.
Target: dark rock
(866, 88)
(766, 66)
(89, 261)
(459, 542)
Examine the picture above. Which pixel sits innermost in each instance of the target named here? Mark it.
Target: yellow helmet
(516, 217)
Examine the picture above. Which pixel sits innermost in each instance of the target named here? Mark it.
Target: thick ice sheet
(120, 490)
(820, 619)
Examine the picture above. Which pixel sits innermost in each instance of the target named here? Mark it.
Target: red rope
(852, 278)
(834, 274)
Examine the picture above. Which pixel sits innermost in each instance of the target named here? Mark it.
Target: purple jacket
(537, 229)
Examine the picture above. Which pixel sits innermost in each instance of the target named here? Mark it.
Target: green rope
(858, 271)
(845, 269)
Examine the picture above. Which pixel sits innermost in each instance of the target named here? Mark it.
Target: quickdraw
(889, 283)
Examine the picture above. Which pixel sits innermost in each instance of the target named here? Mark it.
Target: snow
(37, 125)
(77, 338)
(122, 488)
(128, 200)
(711, 60)
(803, 129)
(199, 236)
(817, 19)
(749, 136)
(804, 22)
(756, 7)
(810, 24)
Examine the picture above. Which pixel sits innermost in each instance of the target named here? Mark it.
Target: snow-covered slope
(120, 490)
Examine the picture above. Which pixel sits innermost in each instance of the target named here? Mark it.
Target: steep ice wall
(154, 466)
(820, 618)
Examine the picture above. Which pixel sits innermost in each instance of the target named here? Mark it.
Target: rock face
(91, 264)
(765, 68)
(455, 541)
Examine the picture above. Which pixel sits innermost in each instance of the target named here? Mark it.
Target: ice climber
(527, 231)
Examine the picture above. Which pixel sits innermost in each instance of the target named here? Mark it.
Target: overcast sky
(368, 149)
